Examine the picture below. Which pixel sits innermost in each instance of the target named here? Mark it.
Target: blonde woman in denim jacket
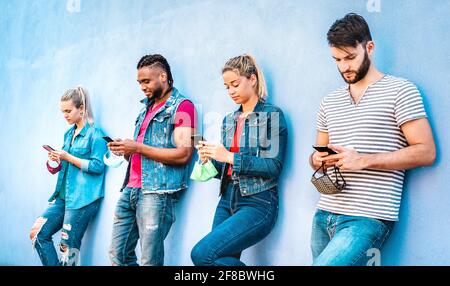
(80, 184)
(249, 161)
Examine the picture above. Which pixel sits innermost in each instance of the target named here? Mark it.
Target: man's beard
(361, 72)
(157, 93)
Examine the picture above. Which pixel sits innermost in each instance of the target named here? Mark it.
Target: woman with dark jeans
(249, 161)
(80, 184)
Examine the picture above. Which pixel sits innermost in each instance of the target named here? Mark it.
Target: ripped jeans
(73, 222)
(146, 217)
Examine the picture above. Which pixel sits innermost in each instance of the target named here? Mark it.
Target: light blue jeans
(342, 240)
(144, 217)
(73, 222)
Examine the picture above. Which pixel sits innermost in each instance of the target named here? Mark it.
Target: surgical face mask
(203, 172)
(325, 184)
(112, 160)
(54, 166)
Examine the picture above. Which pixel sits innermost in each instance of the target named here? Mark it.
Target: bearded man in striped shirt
(378, 127)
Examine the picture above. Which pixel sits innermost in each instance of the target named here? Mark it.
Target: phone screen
(48, 148)
(325, 149)
(197, 138)
(107, 139)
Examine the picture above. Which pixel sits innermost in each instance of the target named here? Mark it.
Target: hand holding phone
(51, 156)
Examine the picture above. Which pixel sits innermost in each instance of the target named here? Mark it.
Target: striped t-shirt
(370, 126)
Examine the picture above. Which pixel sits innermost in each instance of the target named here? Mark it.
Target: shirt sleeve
(95, 164)
(408, 104)
(321, 118)
(186, 115)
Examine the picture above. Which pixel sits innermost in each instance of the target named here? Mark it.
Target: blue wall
(47, 48)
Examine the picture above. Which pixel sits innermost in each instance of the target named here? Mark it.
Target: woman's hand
(201, 153)
(53, 157)
(216, 151)
(59, 155)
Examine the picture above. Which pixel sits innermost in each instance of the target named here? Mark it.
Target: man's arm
(420, 152)
(180, 155)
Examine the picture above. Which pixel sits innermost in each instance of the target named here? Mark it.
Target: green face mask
(203, 172)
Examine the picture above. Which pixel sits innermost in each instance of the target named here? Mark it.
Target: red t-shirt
(236, 140)
(184, 117)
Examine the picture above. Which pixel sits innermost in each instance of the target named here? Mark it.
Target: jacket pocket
(82, 152)
(257, 135)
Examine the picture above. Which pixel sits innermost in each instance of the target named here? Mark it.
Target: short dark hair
(349, 31)
(159, 61)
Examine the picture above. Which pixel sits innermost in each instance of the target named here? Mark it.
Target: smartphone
(107, 139)
(48, 148)
(325, 149)
(197, 138)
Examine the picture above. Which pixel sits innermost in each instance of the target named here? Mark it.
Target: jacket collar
(258, 108)
(83, 130)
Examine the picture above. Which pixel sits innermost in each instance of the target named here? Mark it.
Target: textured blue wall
(47, 47)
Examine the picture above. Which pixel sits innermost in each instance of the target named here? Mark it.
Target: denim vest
(259, 162)
(86, 185)
(158, 177)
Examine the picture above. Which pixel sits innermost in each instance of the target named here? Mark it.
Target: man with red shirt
(158, 158)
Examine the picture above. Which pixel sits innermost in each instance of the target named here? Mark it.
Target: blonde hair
(80, 97)
(246, 65)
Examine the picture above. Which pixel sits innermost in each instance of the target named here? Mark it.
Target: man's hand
(347, 158)
(125, 147)
(319, 157)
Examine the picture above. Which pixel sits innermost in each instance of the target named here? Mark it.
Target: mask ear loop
(321, 167)
(339, 185)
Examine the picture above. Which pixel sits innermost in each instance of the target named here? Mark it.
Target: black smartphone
(197, 138)
(325, 149)
(108, 139)
(48, 148)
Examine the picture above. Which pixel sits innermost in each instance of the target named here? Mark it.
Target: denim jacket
(85, 185)
(156, 176)
(259, 162)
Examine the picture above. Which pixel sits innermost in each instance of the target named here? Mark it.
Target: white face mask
(112, 160)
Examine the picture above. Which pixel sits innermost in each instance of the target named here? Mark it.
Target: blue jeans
(147, 217)
(342, 240)
(239, 223)
(73, 222)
